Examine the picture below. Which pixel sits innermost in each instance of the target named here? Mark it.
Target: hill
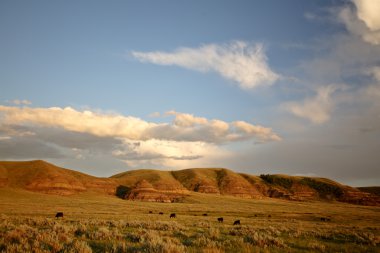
(149, 185)
(41, 176)
(371, 189)
(173, 186)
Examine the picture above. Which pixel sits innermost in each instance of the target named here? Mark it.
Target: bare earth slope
(172, 186)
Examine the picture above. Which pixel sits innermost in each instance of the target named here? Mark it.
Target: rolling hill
(172, 186)
(41, 176)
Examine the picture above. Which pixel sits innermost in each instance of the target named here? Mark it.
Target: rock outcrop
(144, 191)
(358, 197)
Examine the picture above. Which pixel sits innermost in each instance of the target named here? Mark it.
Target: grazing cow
(220, 219)
(255, 215)
(237, 222)
(160, 213)
(150, 212)
(269, 216)
(172, 215)
(325, 219)
(59, 215)
(205, 214)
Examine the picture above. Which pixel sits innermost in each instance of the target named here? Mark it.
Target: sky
(261, 87)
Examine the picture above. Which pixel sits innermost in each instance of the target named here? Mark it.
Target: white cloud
(169, 154)
(364, 21)
(369, 12)
(239, 61)
(186, 120)
(265, 133)
(316, 109)
(70, 119)
(186, 140)
(185, 127)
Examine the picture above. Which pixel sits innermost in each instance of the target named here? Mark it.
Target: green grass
(99, 223)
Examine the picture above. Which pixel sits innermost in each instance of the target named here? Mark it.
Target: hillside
(41, 176)
(220, 181)
(371, 189)
(173, 186)
(149, 185)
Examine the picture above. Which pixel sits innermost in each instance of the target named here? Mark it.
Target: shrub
(277, 180)
(78, 247)
(324, 189)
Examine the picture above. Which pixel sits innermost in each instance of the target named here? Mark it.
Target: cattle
(237, 222)
(172, 215)
(59, 215)
(220, 219)
(160, 213)
(255, 215)
(205, 214)
(325, 219)
(150, 212)
(269, 216)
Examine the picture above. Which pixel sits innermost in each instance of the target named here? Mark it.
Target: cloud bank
(239, 61)
(137, 142)
(185, 127)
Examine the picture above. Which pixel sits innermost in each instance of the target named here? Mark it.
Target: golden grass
(100, 223)
(159, 179)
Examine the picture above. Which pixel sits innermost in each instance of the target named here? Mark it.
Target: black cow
(237, 222)
(205, 214)
(325, 219)
(269, 216)
(150, 212)
(160, 213)
(220, 219)
(172, 215)
(59, 215)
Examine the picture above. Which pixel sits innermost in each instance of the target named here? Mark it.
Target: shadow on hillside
(122, 190)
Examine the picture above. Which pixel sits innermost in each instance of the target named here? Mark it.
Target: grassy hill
(160, 180)
(371, 189)
(44, 177)
(172, 186)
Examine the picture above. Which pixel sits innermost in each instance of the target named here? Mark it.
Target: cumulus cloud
(316, 109)
(185, 127)
(363, 20)
(368, 11)
(239, 61)
(169, 154)
(70, 119)
(186, 140)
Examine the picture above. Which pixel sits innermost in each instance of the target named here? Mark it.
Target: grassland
(100, 223)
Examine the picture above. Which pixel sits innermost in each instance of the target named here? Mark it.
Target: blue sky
(256, 86)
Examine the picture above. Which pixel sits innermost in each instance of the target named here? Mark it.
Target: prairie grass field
(100, 223)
